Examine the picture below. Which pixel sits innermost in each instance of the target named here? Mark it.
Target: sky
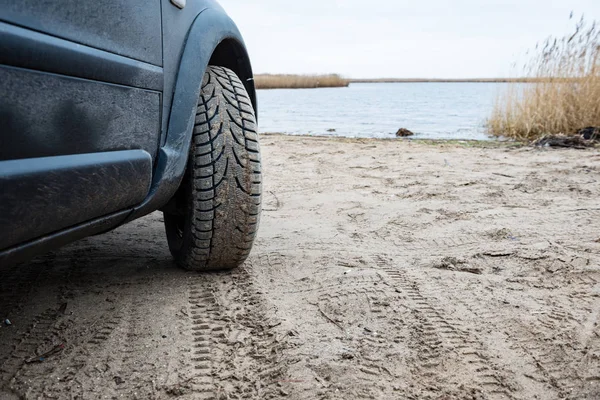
(402, 39)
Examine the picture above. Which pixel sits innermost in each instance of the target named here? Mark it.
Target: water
(430, 110)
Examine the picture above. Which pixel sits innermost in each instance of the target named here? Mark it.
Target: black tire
(213, 219)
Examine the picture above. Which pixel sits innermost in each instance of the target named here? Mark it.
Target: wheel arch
(213, 39)
(232, 54)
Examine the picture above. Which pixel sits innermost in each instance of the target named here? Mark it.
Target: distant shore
(282, 81)
(443, 80)
(288, 81)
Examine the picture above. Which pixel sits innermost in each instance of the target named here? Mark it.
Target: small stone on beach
(402, 132)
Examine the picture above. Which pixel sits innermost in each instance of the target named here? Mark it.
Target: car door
(80, 111)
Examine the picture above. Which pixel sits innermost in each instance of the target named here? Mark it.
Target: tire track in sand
(235, 353)
(535, 337)
(443, 344)
(359, 305)
(16, 286)
(26, 349)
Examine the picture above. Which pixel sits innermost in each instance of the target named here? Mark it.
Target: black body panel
(130, 28)
(201, 23)
(25, 48)
(44, 115)
(211, 29)
(176, 27)
(42, 195)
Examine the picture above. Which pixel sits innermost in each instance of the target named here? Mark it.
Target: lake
(431, 110)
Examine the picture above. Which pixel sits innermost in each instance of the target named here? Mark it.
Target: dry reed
(565, 95)
(268, 81)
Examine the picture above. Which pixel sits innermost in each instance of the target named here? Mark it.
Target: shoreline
(495, 143)
(492, 143)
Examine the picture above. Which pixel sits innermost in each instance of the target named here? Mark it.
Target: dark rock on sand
(590, 133)
(402, 132)
(573, 141)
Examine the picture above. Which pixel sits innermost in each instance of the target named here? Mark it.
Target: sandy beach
(384, 269)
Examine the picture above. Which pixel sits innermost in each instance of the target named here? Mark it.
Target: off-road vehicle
(113, 109)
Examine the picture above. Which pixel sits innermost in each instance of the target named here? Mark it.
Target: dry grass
(268, 81)
(566, 94)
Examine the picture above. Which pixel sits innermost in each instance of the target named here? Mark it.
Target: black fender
(212, 38)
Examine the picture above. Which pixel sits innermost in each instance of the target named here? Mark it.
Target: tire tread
(225, 140)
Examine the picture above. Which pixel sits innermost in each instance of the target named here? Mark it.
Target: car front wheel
(212, 221)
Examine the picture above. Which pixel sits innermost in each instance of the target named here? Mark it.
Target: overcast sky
(397, 38)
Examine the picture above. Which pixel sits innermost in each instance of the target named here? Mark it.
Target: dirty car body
(97, 107)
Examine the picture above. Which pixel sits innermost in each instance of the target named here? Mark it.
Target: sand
(382, 270)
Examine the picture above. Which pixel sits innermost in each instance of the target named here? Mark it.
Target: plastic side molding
(39, 196)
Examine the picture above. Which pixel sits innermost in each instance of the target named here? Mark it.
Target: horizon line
(400, 80)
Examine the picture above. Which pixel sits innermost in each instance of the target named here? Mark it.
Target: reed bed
(565, 94)
(268, 81)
